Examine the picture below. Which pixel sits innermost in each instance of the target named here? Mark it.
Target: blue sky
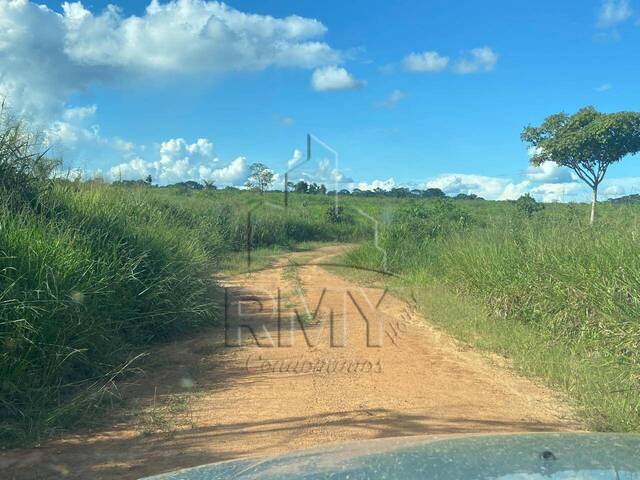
(431, 93)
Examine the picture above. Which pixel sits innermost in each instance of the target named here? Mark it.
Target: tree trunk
(593, 205)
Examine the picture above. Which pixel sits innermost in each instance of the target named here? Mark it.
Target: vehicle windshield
(236, 231)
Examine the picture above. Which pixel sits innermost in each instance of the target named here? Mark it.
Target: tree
(433, 193)
(400, 192)
(261, 177)
(148, 180)
(301, 187)
(587, 142)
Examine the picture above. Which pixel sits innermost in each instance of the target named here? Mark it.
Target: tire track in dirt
(355, 370)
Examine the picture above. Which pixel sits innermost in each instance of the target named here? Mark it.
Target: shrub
(528, 206)
(336, 214)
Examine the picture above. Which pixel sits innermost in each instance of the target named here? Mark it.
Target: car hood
(525, 456)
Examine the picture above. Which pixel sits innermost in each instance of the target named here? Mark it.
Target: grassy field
(560, 299)
(91, 274)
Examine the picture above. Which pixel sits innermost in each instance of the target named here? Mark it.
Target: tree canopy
(261, 177)
(588, 142)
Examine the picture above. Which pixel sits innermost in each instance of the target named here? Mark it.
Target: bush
(528, 206)
(336, 214)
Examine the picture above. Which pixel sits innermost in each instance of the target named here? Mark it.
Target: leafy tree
(148, 180)
(188, 185)
(313, 188)
(209, 184)
(587, 142)
(400, 192)
(261, 177)
(433, 193)
(301, 187)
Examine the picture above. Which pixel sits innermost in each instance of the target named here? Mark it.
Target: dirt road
(364, 365)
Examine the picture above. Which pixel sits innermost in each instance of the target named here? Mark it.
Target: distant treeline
(317, 189)
(634, 198)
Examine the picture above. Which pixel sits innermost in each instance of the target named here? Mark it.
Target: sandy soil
(359, 364)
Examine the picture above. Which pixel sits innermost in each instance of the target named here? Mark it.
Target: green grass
(97, 273)
(91, 275)
(560, 299)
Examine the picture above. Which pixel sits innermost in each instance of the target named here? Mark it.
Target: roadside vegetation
(92, 273)
(558, 297)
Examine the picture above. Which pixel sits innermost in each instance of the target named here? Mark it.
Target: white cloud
(605, 87)
(46, 56)
(234, 173)
(549, 172)
(477, 60)
(614, 191)
(177, 148)
(179, 161)
(79, 141)
(615, 187)
(425, 62)
(393, 98)
(323, 171)
(557, 192)
(613, 12)
(79, 113)
(193, 35)
(491, 188)
(386, 185)
(334, 78)
(295, 159)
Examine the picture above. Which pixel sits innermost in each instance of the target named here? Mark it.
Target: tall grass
(98, 272)
(569, 292)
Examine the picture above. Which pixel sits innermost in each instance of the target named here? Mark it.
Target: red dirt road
(372, 368)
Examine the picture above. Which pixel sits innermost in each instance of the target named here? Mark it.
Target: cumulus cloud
(233, 173)
(386, 185)
(46, 56)
(491, 188)
(549, 172)
(334, 78)
(77, 138)
(613, 12)
(477, 60)
(615, 187)
(557, 192)
(79, 113)
(425, 62)
(177, 160)
(392, 99)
